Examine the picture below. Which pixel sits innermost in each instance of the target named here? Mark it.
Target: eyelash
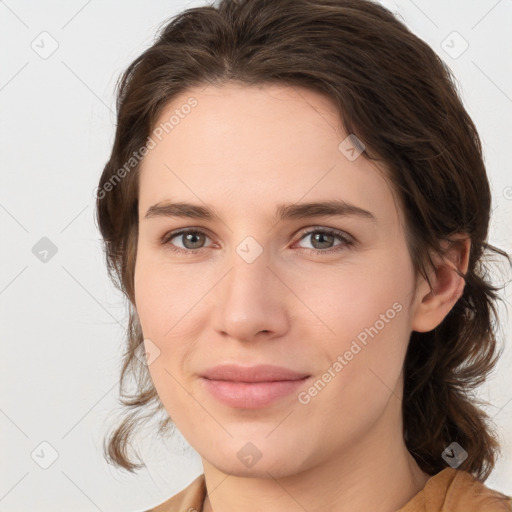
(346, 241)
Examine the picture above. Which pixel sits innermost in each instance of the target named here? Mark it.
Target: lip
(258, 373)
(251, 387)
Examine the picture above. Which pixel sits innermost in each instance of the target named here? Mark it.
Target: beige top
(450, 490)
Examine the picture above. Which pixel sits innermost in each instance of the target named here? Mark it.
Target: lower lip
(251, 395)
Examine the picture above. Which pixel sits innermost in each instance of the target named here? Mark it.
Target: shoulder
(189, 499)
(450, 489)
(460, 491)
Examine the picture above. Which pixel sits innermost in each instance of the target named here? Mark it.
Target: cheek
(164, 294)
(163, 298)
(368, 312)
(169, 299)
(385, 279)
(354, 298)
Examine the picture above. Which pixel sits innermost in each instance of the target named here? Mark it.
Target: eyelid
(346, 238)
(325, 229)
(168, 236)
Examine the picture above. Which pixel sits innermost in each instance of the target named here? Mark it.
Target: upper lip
(259, 373)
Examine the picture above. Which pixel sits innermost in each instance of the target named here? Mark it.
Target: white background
(62, 322)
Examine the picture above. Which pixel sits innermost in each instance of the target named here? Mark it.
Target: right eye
(191, 239)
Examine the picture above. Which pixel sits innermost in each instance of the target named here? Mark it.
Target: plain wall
(62, 320)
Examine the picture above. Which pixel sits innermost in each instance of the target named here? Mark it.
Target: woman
(297, 208)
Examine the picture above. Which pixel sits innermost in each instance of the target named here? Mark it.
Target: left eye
(324, 238)
(192, 240)
(188, 235)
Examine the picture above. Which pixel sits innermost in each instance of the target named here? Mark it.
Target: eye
(323, 238)
(191, 238)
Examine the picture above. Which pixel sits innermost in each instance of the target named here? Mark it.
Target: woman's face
(251, 289)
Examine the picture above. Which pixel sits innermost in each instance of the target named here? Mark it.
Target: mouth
(249, 374)
(251, 387)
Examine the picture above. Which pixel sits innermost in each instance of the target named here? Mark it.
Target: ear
(431, 305)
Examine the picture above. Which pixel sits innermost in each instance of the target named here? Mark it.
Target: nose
(252, 298)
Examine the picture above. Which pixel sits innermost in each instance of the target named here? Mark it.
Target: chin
(258, 459)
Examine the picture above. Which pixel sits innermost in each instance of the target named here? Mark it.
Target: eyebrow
(331, 208)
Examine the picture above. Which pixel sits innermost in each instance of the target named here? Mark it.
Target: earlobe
(433, 304)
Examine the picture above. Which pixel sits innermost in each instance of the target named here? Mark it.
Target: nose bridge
(249, 296)
(249, 263)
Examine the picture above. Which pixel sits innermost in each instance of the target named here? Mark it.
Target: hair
(399, 98)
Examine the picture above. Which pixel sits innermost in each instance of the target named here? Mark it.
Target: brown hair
(397, 96)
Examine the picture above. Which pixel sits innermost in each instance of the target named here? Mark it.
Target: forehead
(253, 145)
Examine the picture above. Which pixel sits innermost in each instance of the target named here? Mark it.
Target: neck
(375, 473)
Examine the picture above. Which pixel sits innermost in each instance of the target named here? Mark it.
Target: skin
(244, 150)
